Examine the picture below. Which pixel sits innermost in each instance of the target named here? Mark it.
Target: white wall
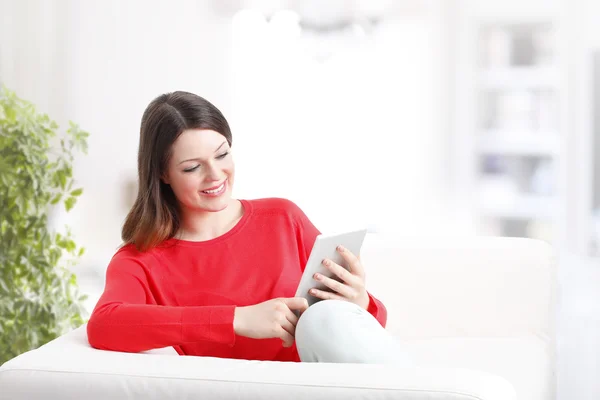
(358, 140)
(99, 64)
(579, 329)
(123, 55)
(585, 40)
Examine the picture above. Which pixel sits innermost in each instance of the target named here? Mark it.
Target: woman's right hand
(270, 319)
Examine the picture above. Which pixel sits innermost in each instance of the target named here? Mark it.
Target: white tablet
(325, 247)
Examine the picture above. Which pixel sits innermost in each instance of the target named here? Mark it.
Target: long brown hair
(155, 215)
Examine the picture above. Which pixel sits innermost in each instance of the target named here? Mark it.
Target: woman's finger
(354, 264)
(288, 340)
(340, 272)
(338, 287)
(323, 295)
(292, 319)
(288, 326)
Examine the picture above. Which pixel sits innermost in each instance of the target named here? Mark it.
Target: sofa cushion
(525, 362)
(69, 368)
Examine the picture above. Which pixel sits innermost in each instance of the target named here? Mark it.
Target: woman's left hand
(352, 285)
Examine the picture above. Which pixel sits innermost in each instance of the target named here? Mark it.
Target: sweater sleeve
(128, 319)
(377, 309)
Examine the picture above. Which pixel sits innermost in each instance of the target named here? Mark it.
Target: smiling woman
(184, 152)
(211, 275)
(200, 173)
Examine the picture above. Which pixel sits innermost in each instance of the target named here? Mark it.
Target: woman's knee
(327, 314)
(326, 318)
(328, 330)
(342, 332)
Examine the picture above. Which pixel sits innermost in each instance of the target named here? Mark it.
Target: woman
(211, 275)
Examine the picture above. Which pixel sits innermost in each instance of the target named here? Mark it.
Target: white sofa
(477, 315)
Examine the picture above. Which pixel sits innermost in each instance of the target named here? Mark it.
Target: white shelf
(520, 78)
(520, 114)
(523, 143)
(527, 207)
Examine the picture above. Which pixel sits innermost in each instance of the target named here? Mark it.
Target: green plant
(39, 297)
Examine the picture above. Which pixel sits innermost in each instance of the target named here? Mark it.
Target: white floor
(578, 326)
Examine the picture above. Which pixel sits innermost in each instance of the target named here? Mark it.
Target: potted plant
(39, 297)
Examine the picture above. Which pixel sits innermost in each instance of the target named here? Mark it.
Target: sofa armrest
(69, 368)
(463, 287)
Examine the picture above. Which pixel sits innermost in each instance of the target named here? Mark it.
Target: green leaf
(62, 179)
(56, 198)
(70, 202)
(3, 286)
(70, 246)
(77, 192)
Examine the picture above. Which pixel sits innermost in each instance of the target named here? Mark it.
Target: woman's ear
(165, 179)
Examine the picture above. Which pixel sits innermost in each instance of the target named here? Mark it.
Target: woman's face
(201, 170)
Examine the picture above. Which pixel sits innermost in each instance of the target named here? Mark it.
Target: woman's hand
(352, 288)
(270, 319)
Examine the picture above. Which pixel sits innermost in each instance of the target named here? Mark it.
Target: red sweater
(183, 294)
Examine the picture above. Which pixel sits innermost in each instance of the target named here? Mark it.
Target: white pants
(336, 331)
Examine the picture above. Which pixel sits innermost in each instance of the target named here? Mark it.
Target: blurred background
(413, 117)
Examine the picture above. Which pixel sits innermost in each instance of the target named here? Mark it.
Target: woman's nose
(213, 173)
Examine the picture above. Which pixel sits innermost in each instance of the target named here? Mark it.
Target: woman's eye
(191, 169)
(220, 157)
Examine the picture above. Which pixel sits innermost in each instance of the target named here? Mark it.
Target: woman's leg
(336, 331)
